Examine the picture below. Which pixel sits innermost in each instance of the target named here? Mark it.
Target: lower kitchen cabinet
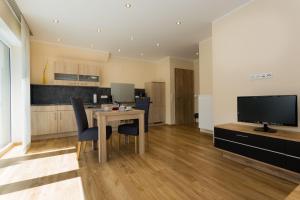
(66, 121)
(44, 122)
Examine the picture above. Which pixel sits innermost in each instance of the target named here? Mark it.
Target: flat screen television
(268, 110)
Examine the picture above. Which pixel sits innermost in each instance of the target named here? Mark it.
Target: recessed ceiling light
(131, 38)
(58, 39)
(178, 22)
(142, 54)
(127, 5)
(56, 21)
(119, 50)
(157, 44)
(92, 46)
(98, 30)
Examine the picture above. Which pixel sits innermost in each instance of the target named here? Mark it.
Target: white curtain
(25, 95)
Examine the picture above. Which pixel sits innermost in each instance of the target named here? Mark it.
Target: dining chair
(132, 129)
(84, 132)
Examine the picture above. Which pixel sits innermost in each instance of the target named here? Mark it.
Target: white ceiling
(148, 21)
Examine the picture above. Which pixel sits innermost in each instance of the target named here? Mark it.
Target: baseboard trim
(52, 136)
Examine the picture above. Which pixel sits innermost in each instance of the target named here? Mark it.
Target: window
(5, 104)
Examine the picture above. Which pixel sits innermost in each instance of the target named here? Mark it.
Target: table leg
(141, 134)
(102, 142)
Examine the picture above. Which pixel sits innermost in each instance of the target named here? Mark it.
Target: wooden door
(66, 122)
(43, 123)
(184, 96)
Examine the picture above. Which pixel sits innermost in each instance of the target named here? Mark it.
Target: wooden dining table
(103, 117)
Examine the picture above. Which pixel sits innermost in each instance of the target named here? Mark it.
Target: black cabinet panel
(293, 164)
(257, 154)
(293, 148)
(251, 139)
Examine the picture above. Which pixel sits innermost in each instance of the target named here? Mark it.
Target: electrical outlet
(261, 76)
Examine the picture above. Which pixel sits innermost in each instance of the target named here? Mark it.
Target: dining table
(104, 117)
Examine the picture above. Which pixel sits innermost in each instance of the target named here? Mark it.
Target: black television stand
(266, 129)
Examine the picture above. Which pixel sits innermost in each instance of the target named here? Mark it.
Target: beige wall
(260, 37)
(205, 67)
(196, 84)
(113, 69)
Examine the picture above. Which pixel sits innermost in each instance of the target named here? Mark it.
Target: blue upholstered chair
(133, 128)
(84, 132)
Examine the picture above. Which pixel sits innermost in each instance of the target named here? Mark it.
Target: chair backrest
(81, 119)
(144, 104)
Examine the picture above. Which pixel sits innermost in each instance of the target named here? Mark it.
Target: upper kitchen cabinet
(65, 67)
(65, 73)
(89, 74)
(69, 72)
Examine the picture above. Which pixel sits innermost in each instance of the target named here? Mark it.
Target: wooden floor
(181, 164)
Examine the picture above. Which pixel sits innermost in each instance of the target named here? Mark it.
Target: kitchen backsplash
(53, 94)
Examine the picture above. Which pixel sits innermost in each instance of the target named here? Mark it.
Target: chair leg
(136, 143)
(78, 150)
(84, 146)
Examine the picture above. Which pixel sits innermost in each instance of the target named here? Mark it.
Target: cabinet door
(66, 122)
(89, 69)
(66, 67)
(89, 113)
(43, 123)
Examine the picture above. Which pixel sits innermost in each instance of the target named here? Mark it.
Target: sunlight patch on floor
(70, 189)
(41, 167)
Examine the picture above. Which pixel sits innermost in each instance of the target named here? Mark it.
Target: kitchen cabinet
(156, 92)
(47, 120)
(43, 120)
(66, 121)
(68, 72)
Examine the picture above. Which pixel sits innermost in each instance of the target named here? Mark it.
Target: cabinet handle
(243, 136)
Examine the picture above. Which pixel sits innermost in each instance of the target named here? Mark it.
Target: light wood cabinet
(44, 120)
(65, 67)
(66, 122)
(68, 72)
(88, 69)
(89, 115)
(156, 92)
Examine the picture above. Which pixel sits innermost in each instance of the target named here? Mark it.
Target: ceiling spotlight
(92, 46)
(197, 53)
(98, 30)
(58, 39)
(131, 38)
(56, 21)
(178, 22)
(157, 44)
(142, 54)
(119, 50)
(127, 5)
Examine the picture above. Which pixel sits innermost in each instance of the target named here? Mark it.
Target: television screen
(274, 110)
